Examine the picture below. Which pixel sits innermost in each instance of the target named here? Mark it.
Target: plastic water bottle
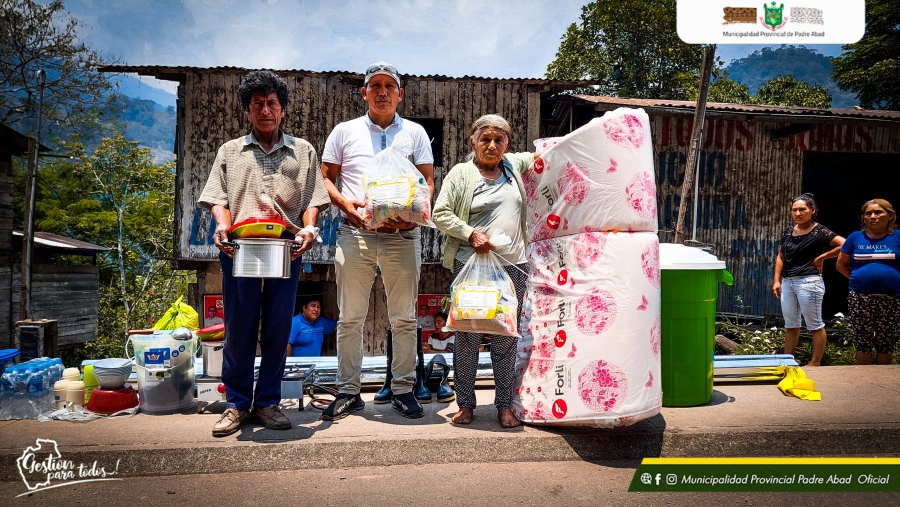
(58, 370)
(7, 390)
(21, 407)
(36, 390)
(47, 371)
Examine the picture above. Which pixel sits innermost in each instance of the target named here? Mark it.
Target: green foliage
(871, 66)
(643, 57)
(629, 54)
(839, 351)
(724, 89)
(770, 341)
(120, 199)
(789, 91)
(42, 35)
(764, 65)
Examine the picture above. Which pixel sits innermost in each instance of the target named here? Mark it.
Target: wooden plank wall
(6, 244)
(746, 182)
(212, 116)
(69, 294)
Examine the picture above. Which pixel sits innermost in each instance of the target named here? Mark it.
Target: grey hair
(489, 121)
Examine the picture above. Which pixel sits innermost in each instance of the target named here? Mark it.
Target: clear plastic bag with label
(483, 298)
(395, 189)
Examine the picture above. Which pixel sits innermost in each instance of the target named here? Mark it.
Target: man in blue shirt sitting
(308, 330)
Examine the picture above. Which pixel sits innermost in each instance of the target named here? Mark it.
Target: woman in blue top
(308, 330)
(869, 258)
(798, 275)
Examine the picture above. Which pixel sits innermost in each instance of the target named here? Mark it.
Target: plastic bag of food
(395, 189)
(483, 298)
(178, 315)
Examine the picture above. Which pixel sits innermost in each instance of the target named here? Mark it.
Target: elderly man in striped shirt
(264, 174)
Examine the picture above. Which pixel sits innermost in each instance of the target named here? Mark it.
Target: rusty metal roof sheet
(15, 142)
(55, 241)
(170, 72)
(689, 105)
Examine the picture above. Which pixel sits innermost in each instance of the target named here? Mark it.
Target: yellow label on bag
(396, 191)
(476, 302)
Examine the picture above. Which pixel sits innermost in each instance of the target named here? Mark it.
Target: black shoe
(408, 406)
(342, 406)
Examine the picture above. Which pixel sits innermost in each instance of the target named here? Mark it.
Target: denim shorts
(802, 295)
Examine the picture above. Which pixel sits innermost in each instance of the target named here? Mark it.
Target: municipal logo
(773, 17)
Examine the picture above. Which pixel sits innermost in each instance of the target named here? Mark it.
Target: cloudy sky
(499, 38)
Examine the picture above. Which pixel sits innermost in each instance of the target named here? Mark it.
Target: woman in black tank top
(798, 274)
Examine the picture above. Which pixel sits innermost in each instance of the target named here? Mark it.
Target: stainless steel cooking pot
(262, 257)
(212, 358)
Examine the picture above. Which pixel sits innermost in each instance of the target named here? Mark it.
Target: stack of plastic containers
(590, 353)
(26, 389)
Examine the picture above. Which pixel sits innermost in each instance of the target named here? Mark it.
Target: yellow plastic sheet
(796, 383)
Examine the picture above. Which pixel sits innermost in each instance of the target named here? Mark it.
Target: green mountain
(148, 123)
(805, 64)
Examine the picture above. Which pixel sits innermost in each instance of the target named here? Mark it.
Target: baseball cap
(382, 68)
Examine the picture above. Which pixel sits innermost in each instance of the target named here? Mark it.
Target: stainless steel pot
(262, 257)
(212, 358)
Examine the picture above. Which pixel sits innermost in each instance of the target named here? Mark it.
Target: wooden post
(696, 138)
(28, 235)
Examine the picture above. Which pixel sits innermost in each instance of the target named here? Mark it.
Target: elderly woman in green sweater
(477, 198)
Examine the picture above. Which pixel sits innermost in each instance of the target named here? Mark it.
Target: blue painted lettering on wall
(195, 238)
(672, 163)
(714, 210)
(764, 249)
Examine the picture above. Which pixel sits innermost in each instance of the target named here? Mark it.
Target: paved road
(554, 484)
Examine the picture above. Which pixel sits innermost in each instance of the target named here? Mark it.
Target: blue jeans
(247, 300)
(802, 295)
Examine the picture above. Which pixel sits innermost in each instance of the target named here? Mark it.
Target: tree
(631, 47)
(721, 89)
(789, 91)
(120, 199)
(871, 67)
(35, 35)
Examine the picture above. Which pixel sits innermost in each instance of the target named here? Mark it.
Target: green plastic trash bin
(690, 286)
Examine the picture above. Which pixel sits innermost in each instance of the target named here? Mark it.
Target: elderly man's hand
(307, 239)
(221, 235)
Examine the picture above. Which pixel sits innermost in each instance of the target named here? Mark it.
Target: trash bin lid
(675, 256)
(8, 355)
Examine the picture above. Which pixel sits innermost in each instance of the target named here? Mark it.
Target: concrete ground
(859, 415)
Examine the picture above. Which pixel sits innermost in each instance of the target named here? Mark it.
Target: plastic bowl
(113, 363)
(111, 381)
(258, 228)
(110, 401)
(100, 370)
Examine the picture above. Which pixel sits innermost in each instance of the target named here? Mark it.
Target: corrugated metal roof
(17, 142)
(166, 72)
(690, 105)
(55, 241)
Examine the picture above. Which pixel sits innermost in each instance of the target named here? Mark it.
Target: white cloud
(503, 38)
